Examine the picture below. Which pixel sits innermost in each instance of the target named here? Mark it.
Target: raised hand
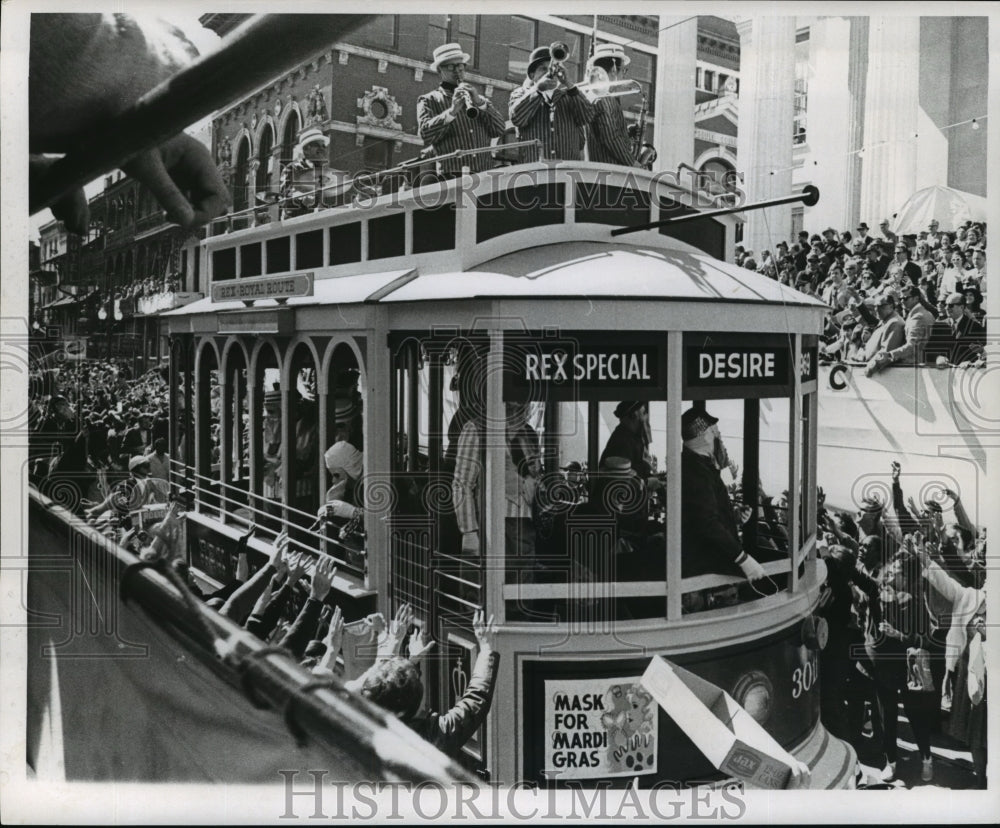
(334, 639)
(322, 577)
(279, 554)
(418, 645)
(483, 630)
(297, 567)
(391, 641)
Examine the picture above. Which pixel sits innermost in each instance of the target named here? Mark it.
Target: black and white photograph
(481, 413)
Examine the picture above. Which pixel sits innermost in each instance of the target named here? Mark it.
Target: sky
(205, 41)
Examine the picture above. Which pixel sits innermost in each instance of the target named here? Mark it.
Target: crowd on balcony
(906, 614)
(893, 299)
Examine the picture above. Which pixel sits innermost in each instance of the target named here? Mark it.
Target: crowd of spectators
(94, 426)
(893, 299)
(285, 604)
(905, 609)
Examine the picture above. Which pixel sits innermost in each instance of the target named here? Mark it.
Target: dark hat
(901, 246)
(812, 257)
(829, 230)
(911, 291)
(626, 407)
(971, 288)
(314, 649)
(572, 466)
(782, 244)
(617, 467)
(803, 233)
(272, 401)
(539, 55)
(695, 422)
(862, 226)
(344, 409)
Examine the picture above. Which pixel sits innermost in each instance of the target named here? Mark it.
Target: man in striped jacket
(608, 140)
(550, 109)
(455, 116)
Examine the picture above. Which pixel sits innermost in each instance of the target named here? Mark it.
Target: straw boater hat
(449, 53)
(609, 51)
(308, 136)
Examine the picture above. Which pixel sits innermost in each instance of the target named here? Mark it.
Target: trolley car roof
(577, 269)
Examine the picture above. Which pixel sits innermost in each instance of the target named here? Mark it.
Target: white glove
(751, 569)
(340, 509)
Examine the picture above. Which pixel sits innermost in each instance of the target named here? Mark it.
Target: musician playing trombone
(455, 116)
(608, 140)
(549, 108)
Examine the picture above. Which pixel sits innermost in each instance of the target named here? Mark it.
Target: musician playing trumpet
(608, 140)
(549, 108)
(455, 116)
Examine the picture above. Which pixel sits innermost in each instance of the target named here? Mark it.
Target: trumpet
(558, 52)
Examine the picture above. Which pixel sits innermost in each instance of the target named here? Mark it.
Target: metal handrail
(206, 490)
(375, 176)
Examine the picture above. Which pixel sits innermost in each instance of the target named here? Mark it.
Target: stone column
(889, 164)
(764, 155)
(828, 126)
(857, 72)
(673, 133)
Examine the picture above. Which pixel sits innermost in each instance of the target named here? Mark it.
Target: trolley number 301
(804, 677)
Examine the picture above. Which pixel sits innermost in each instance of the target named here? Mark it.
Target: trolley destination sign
(264, 287)
(753, 366)
(589, 365)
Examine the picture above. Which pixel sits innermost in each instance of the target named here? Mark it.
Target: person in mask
(710, 541)
(631, 437)
(273, 485)
(343, 510)
(345, 465)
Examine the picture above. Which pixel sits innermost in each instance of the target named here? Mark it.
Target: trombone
(598, 85)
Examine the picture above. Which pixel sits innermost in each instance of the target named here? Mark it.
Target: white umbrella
(950, 207)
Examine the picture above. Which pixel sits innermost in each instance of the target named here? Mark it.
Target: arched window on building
(265, 163)
(289, 137)
(240, 195)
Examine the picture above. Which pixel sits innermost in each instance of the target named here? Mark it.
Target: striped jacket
(437, 127)
(607, 139)
(559, 125)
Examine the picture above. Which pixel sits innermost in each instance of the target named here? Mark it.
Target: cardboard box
(730, 738)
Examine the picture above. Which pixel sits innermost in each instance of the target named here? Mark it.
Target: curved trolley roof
(515, 236)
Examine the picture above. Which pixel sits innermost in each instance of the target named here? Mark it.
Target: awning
(62, 301)
(948, 206)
